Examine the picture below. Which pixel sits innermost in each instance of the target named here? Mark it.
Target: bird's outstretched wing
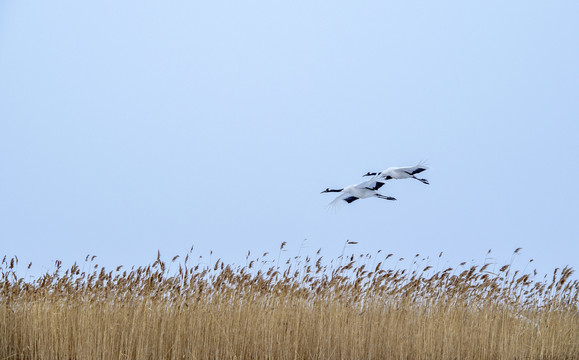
(373, 184)
(350, 199)
(378, 185)
(413, 170)
(416, 171)
(343, 199)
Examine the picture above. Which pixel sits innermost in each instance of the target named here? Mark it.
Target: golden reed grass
(352, 308)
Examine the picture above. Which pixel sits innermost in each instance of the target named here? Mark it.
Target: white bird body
(404, 172)
(362, 190)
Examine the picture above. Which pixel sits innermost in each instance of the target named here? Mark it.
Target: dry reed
(304, 309)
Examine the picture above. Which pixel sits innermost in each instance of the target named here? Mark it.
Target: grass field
(356, 307)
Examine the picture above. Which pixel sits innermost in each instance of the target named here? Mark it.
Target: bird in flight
(362, 190)
(405, 172)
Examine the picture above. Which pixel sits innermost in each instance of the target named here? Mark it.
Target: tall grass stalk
(305, 310)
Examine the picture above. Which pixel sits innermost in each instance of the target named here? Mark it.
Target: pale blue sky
(132, 126)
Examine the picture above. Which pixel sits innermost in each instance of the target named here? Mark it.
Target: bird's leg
(424, 181)
(385, 197)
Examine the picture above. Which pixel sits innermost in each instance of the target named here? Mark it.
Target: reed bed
(355, 307)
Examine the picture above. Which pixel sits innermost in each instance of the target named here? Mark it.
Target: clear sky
(128, 127)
